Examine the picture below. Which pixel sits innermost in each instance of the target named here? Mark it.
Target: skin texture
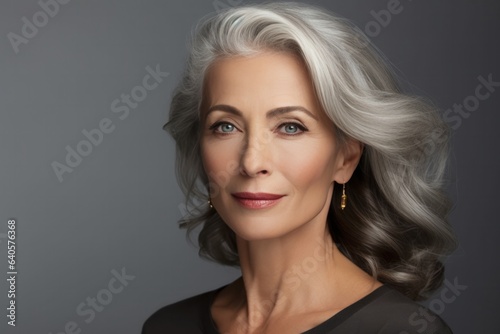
(293, 276)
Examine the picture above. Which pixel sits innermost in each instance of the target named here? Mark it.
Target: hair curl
(395, 226)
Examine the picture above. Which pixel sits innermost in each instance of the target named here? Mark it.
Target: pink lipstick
(256, 200)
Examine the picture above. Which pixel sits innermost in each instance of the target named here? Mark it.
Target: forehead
(268, 78)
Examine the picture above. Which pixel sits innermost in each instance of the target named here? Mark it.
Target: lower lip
(257, 203)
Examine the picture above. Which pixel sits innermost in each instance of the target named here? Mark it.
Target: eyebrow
(270, 114)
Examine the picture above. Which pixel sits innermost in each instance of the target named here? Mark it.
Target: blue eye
(226, 127)
(292, 128)
(223, 128)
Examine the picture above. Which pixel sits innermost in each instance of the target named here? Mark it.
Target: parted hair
(395, 225)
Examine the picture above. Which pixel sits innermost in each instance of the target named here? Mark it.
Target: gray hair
(395, 225)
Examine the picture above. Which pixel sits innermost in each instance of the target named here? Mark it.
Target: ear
(348, 159)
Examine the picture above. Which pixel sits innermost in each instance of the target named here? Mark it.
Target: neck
(297, 273)
(274, 268)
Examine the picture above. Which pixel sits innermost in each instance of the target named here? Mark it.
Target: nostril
(253, 162)
(245, 172)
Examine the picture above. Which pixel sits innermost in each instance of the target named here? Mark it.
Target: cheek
(220, 162)
(307, 164)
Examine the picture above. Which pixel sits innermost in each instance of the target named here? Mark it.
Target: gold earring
(343, 199)
(210, 203)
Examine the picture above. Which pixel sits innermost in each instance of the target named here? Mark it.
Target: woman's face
(267, 148)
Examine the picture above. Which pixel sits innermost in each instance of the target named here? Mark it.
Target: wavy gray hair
(395, 226)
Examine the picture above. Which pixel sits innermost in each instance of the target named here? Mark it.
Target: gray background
(119, 207)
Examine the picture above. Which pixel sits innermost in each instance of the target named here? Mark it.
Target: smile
(256, 200)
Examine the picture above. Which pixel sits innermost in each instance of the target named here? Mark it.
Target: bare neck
(299, 273)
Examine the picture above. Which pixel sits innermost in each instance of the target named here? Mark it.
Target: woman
(318, 178)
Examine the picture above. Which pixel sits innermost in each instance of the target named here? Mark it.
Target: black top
(383, 311)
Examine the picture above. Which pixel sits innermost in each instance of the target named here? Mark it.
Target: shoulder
(186, 316)
(392, 312)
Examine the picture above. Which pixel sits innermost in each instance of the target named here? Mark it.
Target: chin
(259, 229)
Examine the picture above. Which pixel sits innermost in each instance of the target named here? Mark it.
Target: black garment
(383, 311)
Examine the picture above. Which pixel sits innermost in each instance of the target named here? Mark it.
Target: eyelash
(302, 128)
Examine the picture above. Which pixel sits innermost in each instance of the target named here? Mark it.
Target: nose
(255, 157)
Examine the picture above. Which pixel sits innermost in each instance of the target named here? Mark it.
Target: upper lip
(257, 196)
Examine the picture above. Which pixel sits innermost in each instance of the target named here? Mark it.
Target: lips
(256, 200)
(256, 196)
